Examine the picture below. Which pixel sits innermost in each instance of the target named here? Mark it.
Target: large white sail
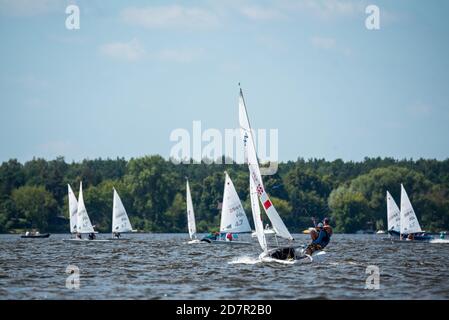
(257, 217)
(233, 217)
(409, 221)
(393, 214)
(84, 225)
(190, 213)
(253, 164)
(120, 220)
(73, 209)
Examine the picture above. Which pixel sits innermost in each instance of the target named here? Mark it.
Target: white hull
(194, 241)
(317, 257)
(439, 241)
(231, 243)
(266, 232)
(85, 240)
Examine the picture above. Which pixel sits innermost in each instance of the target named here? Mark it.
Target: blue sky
(136, 70)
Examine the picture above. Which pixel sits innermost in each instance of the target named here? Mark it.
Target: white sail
(409, 221)
(84, 225)
(251, 157)
(120, 220)
(190, 213)
(257, 217)
(393, 214)
(73, 209)
(233, 217)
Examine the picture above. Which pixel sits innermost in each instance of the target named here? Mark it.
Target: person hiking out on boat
(228, 236)
(320, 239)
(327, 227)
(117, 235)
(91, 236)
(78, 235)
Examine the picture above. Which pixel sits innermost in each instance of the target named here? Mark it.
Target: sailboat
(83, 224)
(403, 223)
(258, 193)
(267, 230)
(73, 210)
(410, 227)
(393, 216)
(190, 216)
(233, 218)
(120, 220)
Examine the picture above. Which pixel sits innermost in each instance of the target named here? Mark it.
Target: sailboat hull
(230, 243)
(85, 240)
(395, 237)
(291, 255)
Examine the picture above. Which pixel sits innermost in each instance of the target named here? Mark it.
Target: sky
(137, 70)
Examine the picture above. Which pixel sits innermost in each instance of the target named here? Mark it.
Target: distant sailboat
(403, 223)
(120, 219)
(233, 217)
(409, 222)
(257, 193)
(83, 224)
(393, 215)
(190, 215)
(73, 210)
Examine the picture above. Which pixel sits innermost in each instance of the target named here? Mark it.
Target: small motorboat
(34, 235)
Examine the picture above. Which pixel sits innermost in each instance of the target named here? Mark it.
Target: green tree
(36, 205)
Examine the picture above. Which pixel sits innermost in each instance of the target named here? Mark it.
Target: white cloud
(260, 13)
(30, 7)
(128, 51)
(420, 109)
(324, 43)
(179, 55)
(169, 17)
(326, 8)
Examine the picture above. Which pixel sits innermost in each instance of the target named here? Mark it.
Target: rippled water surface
(164, 266)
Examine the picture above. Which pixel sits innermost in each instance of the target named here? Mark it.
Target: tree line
(352, 194)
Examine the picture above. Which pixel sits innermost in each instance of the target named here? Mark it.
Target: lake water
(164, 266)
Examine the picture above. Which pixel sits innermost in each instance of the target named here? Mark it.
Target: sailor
(320, 239)
(91, 236)
(117, 235)
(228, 236)
(327, 227)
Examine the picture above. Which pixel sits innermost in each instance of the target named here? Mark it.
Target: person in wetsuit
(320, 238)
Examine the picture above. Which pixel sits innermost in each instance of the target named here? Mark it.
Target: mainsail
(257, 217)
(120, 220)
(190, 213)
(73, 209)
(233, 217)
(409, 221)
(393, 214)
(84, 225)
(254, 171)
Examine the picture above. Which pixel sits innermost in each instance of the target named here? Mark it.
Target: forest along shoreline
(34, 194)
